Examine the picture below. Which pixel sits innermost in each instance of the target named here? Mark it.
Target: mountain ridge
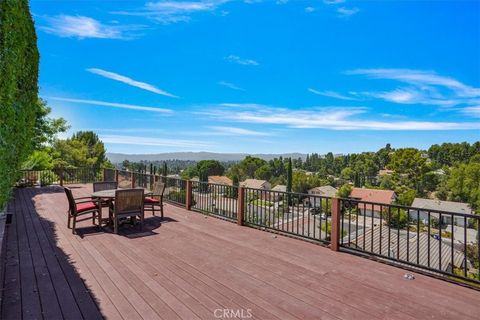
(197, 156)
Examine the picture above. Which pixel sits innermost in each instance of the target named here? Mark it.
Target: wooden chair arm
(83, 198)
(90, 200)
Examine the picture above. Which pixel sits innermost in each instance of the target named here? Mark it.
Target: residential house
(220, 180)
(278, 195)
(256, 184)
(374, 199)
(433, 206)
(324, 191)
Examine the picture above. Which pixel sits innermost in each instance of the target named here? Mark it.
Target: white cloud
(230, 85)
(129, 81)
(149, 141)
(82, 27)
(309, 9)
(111, 104)
(472, 111)
(331, 94)
(237, 131)
(347, 12)
(420, 78)
(236, 59)
(332, 118)
(421, 87)
(167, 12)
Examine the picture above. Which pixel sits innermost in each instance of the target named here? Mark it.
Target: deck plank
(12, 300)
(190, 265)
(69, 287)
(31, 305)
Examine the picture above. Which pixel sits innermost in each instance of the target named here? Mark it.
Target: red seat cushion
(81, 207)
(151, 200)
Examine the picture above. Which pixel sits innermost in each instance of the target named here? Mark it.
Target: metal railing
(442, 242)
(60, 176)
(439, 242)
(301, 215)
(175, 190)
(215, 199)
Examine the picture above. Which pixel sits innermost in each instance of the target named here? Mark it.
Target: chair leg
(74, 224)
(115, 225)
(153, 210)
(161, 209)
(100, 218)
(69, 218)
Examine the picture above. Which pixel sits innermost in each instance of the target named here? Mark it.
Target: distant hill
(196, 156)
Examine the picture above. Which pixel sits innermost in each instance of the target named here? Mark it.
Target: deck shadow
(40, 279)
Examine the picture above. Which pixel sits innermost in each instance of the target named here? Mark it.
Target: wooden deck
(191, 266)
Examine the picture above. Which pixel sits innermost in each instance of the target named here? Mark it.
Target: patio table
(109, 196)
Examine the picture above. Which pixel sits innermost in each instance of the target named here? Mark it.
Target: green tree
(18, 90)
(406, 197)
(347, 174)
(46, 128)
(264, 172)
(464, 183)
(38, 160)
(165, 170)
(83, 149)
(344, 191)
(411, 163)
(210, 167)
(289, 181)
(247, 167)
(395, 218)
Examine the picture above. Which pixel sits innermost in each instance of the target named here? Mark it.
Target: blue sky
(263, 76)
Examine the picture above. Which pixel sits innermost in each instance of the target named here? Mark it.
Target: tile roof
(373, 195)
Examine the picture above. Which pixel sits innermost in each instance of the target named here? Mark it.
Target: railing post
(156, 178)
(61, 176)
(132, 178)
(240, 205)
(104, 173)
(188, 195)
(116, 175)
(335, 227)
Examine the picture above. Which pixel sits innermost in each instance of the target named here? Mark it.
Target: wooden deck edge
(3, 249)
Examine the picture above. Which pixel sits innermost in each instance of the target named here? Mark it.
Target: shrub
(18, 90)
(48, 177)
(397, 218)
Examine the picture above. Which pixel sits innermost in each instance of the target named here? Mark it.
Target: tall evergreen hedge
(19, 60)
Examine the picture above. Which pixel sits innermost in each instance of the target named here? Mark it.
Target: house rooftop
(220, 180)
(327, 191)
(373, 195)
(254, 183)
(441, 205)
(280, 187)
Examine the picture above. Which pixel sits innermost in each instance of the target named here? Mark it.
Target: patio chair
(156, 199)
(82, 206)
(128, 204)
(105, 185)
